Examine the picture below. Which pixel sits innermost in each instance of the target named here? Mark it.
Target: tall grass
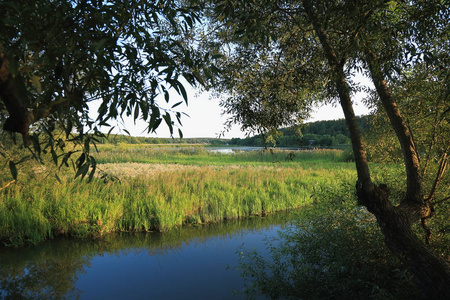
(159, 196)
(201, 156)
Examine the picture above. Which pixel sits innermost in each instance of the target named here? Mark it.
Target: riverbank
(172, 188)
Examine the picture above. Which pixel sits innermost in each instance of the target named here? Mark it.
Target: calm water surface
(186, 263)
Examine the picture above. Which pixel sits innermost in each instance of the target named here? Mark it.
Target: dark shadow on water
(185, 263)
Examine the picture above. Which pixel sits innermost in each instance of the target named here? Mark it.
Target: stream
(194, 262)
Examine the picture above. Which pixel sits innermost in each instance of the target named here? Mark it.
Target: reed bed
(159, 196)
(201, 156)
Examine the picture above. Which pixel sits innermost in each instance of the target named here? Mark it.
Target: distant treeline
(126, 139)
(314, 134)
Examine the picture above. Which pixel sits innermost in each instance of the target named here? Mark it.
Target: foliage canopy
(59, 57)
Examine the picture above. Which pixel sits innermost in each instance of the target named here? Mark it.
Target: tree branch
(440, 173)
(410, 154)
(8, 184)
(365, 183)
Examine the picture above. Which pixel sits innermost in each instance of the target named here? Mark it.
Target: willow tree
(325, 42)
(57, 57)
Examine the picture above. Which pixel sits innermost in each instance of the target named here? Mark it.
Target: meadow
(177, 190)
(139, 188)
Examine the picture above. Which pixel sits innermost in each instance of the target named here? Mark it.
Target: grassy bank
(195, 187)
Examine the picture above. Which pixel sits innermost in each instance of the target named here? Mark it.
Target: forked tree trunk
(431, 272)
(414, 193)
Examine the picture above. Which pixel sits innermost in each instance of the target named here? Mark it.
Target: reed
(160, 196)
(201, 156)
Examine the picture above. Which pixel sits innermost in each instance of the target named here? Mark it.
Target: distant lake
(229, 150)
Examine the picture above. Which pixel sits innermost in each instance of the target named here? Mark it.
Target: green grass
(170, 189)
(201, 156)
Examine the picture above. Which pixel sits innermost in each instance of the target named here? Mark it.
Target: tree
(334, 39)
(266, 94)
(57, 57)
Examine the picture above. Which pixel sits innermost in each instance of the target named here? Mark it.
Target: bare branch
(440, 173)
(8, 184)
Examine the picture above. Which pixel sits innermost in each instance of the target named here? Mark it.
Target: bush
(334, 251)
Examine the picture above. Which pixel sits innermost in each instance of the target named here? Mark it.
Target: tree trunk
(13, 94)
(343, 89)
(414, 193)
(431, 272)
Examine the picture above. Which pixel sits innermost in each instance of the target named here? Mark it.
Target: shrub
(333, 251)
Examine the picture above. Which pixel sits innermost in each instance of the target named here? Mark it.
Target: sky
(207, 121)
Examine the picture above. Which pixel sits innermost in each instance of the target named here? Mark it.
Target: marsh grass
(201, 156)
(137, 196)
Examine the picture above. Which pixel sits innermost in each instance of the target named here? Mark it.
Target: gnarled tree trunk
(431, 272)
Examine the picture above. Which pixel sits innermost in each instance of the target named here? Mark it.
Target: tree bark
(362, 167)
(414, 193)
(431, 272)
(14, 96)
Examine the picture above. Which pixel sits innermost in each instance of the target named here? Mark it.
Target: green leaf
(13, 169)
(23, 159)
(57, 178)
(169, 123)
(94, 167)
(81, 160)
(68, 128)
(176, 104)
(54, 156)
(87, 144)
(180, 133)
(198, 77)
(83, 170)
(99, 45)
(183, 92)
(136, 112)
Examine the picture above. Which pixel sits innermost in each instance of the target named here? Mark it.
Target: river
(185, 263)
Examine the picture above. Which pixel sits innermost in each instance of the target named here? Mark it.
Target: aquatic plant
(143, 197)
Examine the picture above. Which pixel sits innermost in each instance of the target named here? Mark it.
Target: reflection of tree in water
(50, 270)
(44, 272)
(51, 279)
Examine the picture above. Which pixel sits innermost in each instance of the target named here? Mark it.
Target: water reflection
(185, 263)
(226, 150)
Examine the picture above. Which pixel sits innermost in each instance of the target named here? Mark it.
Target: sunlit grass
(201, 156)
(136, 196)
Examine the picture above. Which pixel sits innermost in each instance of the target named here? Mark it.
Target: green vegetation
(127, 139)
(183, 187)
(276, 63)
(332, 133)
(335, 250)
(201, 156)
(279, 59)
(161, 190)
